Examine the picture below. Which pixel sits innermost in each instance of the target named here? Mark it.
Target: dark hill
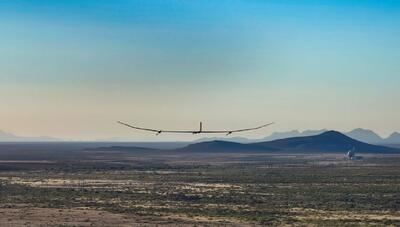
(224, 146)
(330, 141)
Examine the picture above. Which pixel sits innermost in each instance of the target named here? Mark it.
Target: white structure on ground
(351, 153)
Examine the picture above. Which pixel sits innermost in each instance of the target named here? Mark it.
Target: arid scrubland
(127, 189)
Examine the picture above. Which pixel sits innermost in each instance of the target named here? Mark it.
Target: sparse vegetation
(226, 189)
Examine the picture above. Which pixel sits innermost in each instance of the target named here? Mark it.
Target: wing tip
(268, 124)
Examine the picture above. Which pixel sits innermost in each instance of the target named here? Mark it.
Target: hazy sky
(71, 69)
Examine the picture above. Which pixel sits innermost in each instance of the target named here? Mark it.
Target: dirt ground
(140, 189)
(28, 216)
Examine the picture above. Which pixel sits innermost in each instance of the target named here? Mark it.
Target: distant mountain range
(394, 138)
(293, 133)
(363, 135)
(330, 141)
(326, 142)
(9, 137)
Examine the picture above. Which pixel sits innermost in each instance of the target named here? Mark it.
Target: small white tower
(351, 153)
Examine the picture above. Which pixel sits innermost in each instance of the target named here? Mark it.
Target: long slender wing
(238, 130)
(154, 130)
(194, 132)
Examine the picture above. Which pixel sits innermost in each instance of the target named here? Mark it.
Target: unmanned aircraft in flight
(228, 132)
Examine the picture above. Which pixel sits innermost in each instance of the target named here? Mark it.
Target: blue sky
(230, 63)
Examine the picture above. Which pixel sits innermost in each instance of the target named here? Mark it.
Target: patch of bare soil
(63, 217)
(29, 216)
(312, 214)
